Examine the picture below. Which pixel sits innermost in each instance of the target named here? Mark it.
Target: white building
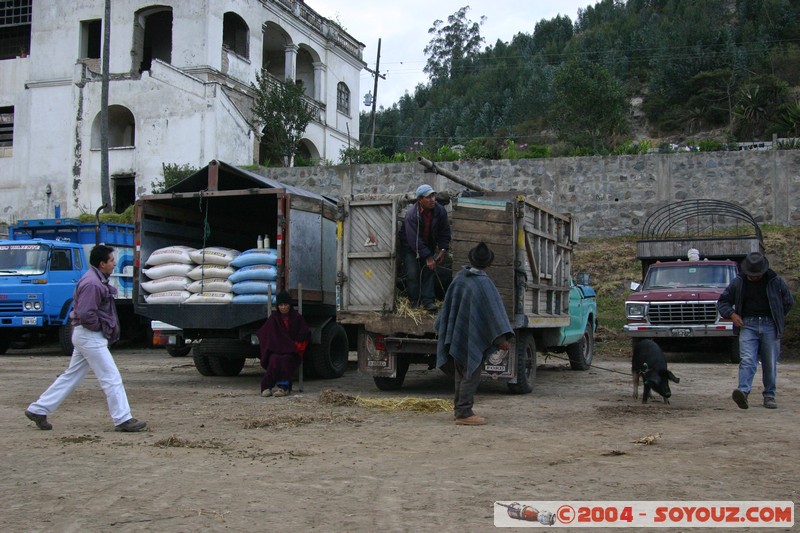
(179, 93)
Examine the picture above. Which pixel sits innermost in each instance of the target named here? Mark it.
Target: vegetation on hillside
(567, 87)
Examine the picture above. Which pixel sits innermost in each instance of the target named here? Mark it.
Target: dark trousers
(419, 279)
(466, 387)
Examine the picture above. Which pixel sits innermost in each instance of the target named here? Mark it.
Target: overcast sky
(402, 26)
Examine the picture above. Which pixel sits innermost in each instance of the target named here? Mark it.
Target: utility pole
(377, 74)
(105, 183)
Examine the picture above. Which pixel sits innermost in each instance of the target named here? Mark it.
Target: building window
(15, 28)
(152, 37)
(343, 99)
(235, 34)
(121, 128)
(91, 38)
(6, 131)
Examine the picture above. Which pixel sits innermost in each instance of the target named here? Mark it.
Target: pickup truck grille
(683, 313)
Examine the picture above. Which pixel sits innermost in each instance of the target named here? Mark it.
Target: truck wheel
(329, 357)
(733, 350)
(179, 351)
(65, 339)
(4, 344)
(526, 365)
(226, 366)
(581, 353)
(202, 364)
(384, 383)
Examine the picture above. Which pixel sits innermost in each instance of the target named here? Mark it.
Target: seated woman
(283, 340)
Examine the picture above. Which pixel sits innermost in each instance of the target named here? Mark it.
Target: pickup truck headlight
(636, 310)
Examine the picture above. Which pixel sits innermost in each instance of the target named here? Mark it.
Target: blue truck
(40, 263)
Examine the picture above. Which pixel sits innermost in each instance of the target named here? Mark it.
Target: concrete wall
(609, 195)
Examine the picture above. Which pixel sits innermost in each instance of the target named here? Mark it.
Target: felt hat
(425, 190)
(283, 298)
(481, 256)
(755, 264)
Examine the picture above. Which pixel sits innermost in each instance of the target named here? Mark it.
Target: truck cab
(37, 279)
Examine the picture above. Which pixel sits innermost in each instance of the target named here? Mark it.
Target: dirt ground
(218, 457)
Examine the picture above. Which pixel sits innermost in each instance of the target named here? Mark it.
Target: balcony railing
(322, 25)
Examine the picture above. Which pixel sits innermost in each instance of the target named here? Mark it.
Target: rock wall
(609, 195)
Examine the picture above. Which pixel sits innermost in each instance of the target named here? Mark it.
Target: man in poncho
(471, 325)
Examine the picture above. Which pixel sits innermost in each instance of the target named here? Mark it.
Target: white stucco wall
(181, 113)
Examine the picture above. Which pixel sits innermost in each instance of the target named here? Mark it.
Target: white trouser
(91, 351)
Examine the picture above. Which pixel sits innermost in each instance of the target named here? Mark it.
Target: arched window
(235, 34)
(343, 98)
(121, 128)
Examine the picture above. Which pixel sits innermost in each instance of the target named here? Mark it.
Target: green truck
(532, 270)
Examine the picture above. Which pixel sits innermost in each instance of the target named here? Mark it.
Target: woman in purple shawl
(283, 340)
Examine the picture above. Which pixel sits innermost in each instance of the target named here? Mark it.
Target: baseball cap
(423, 191)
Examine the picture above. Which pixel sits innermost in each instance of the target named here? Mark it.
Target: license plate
(29, 321)
(681, 332)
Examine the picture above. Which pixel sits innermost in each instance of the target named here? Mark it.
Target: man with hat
(471, 325)
(424, 240)
(757, 301)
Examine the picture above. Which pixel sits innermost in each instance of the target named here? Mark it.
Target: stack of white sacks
(168, 270)
(210, 283)
(215, 274)
(255, 275)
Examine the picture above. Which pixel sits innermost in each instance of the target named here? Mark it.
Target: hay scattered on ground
(647, 440)
(419, 405)
(176, 442)
(283, 421)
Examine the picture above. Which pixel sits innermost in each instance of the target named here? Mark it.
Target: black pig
(649, 362)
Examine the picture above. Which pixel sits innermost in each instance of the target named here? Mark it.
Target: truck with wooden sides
(222, 205)
(690, 251)
(40, 264)
(532, 270)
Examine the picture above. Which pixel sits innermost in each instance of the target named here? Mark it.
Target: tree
(590, 107)
(460, 39)
(281, 114)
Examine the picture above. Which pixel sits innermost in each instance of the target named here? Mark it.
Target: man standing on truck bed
(424, 240)
(94, 317)
(471, 325)
(757, 301)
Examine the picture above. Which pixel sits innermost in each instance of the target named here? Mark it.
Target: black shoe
(431, 307)
(740, 398)
(40, 420)
(131, 426)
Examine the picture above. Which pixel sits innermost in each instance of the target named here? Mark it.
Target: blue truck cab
(41, 262)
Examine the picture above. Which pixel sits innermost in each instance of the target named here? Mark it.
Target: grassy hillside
(612, 264)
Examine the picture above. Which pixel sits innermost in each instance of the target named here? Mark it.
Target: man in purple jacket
(94, 318)
(424, 238)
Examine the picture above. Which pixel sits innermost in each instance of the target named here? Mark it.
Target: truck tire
(226, 366)
(733, 350)
(4, 344)
(526, 365)
(395, 383)
(329, 358)
(202, 364)
(179, 351)
(65, 339)
(581, 353)
(209, 353)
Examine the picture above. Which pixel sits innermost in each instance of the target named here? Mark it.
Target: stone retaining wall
(609, 195)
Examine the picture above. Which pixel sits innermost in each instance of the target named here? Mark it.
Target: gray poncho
(471, 318)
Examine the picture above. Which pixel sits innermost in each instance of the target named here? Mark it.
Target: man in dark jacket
(757, 301)
(471, 325)
(424, 240)
(95, 323)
